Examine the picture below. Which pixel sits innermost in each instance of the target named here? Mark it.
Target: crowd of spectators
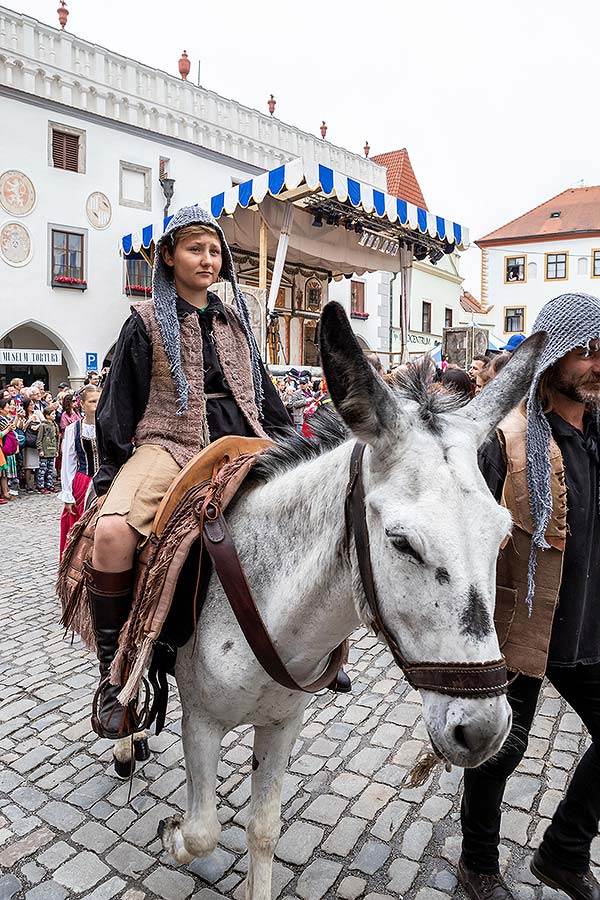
(32, 426)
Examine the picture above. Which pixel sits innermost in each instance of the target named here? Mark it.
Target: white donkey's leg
(272, 747)
(197, 834)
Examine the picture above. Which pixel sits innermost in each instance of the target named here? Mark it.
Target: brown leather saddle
(190, 513)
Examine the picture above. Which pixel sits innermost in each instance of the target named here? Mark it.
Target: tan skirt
(139, 487)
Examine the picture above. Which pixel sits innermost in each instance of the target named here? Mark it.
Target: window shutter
(65, 151)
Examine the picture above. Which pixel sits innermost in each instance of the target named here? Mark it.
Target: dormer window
(555, 214)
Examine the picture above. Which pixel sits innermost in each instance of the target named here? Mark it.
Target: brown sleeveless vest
(524, 639)
(184, 436)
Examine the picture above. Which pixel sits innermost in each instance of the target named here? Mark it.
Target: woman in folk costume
(186, 371)
(79, 461)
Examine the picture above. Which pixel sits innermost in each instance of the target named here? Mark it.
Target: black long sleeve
(492, 466)
(276, 422)
(123, 401)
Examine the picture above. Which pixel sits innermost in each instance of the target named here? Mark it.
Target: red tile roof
(401, 179)
(579, 210)
(470, 304)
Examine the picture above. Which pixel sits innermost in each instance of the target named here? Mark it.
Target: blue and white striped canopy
(296, 180)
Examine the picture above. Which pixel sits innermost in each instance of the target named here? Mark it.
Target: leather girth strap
(220, 546)
(487, 679)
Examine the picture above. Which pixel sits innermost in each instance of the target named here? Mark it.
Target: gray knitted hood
(165, 303)
(570, 321)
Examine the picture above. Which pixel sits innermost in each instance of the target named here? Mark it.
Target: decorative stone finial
(323, 129)
(63, 14)
(366, 148)
(184, 66)
(271, 104)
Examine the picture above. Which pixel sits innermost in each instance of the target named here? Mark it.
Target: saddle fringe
(422, 769)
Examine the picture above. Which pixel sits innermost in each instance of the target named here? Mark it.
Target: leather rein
(486, 679)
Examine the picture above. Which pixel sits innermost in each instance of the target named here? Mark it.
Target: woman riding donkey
(185, 372)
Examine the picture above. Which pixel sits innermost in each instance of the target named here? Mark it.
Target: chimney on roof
(63, 14)
(184, 66)
(367, 149)
(323, 129)
(271, 104)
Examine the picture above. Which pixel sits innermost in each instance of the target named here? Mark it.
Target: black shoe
(342, 683)
(109, 596)
(577, 886)
(482, 887)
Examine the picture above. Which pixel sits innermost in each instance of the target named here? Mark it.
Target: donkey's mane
(413, 383)
(416, 383)
(292, 450)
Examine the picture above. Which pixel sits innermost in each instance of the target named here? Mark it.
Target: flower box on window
(138, 290)
(66, 281)
(359, 315)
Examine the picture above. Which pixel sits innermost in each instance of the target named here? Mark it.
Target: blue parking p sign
(91, 362)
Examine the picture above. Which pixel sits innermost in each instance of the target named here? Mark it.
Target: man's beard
(581, 390)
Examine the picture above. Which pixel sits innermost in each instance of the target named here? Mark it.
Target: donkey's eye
(403, 545)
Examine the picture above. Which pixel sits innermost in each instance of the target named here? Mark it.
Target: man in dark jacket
(544, 466)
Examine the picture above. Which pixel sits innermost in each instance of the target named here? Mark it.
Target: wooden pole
(262, 265)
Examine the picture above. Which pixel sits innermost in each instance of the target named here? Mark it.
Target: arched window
(531, 270)
(582, 266)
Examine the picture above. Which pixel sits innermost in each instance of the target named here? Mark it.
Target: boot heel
(141, 749)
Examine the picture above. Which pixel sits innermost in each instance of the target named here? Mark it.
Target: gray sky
(496, 102)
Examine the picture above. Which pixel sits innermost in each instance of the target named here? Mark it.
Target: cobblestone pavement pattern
(350, 828)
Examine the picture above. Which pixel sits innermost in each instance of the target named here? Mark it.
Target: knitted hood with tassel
(165, 303)
(570, 321)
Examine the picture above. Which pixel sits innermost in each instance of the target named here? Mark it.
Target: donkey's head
(434, 527)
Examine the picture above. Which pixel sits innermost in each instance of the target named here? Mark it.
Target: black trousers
(575, 823)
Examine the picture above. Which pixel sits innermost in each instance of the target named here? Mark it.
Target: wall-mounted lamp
(168, 186)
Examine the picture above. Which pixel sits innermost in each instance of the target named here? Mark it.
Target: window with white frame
(556, 266)
(514, 319)
(514, 269)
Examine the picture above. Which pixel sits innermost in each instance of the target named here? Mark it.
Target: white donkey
(435, 531)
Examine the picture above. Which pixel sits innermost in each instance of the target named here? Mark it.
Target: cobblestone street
(350, 828)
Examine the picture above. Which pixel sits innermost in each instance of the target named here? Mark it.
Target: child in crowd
(10, 447)
(47, 447)
(79, 461)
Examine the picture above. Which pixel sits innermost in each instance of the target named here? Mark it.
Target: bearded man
(543, 465)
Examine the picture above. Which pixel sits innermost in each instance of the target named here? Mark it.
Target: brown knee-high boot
(110, 596)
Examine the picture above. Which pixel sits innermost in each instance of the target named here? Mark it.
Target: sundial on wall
(98, 210)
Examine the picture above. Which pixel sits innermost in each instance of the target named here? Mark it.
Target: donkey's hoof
(124, 769)
(169, 831)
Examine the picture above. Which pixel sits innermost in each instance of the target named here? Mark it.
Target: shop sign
(30, 357)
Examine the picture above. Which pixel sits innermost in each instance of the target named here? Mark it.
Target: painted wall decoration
(98, 210)
(15, 244)
(17, 193)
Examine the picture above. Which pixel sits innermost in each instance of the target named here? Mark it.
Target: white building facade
(553, 249)
(87, 134)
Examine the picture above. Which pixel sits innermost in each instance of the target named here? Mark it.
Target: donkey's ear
(361, 397)
(508, 388)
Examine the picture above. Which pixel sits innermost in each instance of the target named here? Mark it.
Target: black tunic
(127, 388)
(576, 629)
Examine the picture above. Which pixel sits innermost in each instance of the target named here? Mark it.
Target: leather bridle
(486, 679)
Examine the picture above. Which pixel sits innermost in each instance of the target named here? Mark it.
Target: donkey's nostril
(465, 738)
